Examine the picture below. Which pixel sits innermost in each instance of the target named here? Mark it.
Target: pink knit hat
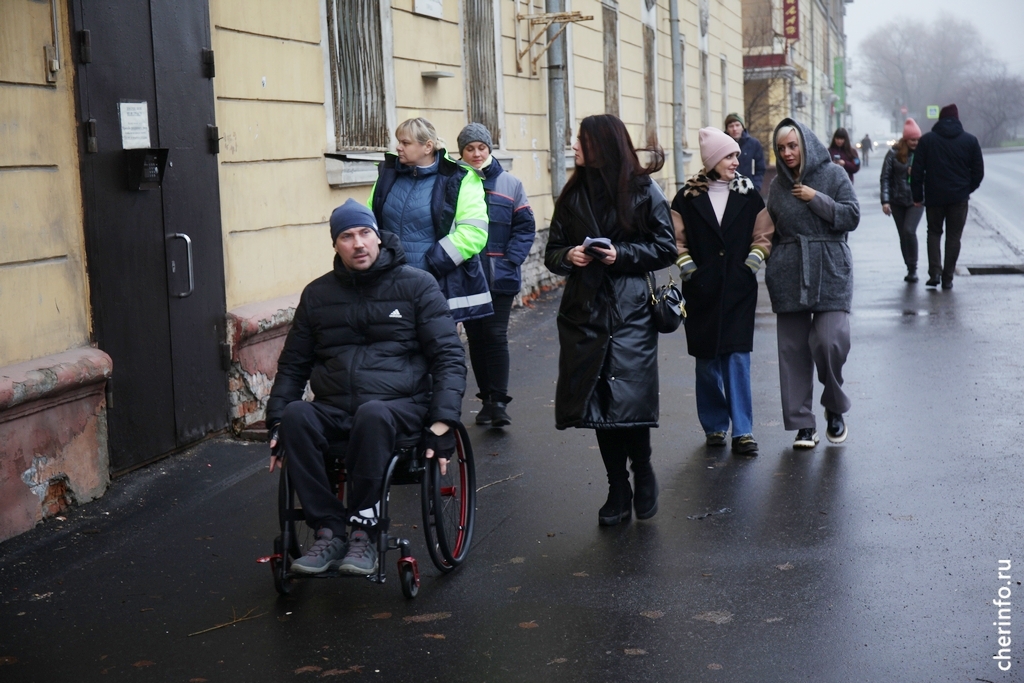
(715, 146)
(911, 131)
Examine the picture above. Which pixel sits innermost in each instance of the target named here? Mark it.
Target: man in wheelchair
(376, 342)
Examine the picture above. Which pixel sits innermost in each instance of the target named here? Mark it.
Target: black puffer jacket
(948, 165)
(608, 361)
(895, 180)
(379, 334)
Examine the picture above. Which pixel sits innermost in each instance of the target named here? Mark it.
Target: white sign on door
(134, 124)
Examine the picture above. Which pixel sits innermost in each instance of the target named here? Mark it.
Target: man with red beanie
(947, 168)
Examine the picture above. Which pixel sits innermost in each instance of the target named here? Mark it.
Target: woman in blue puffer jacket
(436, 207)
(509, 238)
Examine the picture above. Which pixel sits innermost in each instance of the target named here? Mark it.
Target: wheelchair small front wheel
(407, 577)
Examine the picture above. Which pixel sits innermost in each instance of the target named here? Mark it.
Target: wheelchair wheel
(296, 537)
(430, 521)
(453, 498)
(282, 582)
(407, 577)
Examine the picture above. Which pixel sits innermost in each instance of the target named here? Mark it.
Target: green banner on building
(839, 83)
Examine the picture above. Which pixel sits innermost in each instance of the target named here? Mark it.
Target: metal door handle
(191, 275)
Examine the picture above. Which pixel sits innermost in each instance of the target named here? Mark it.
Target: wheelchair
(448, 503)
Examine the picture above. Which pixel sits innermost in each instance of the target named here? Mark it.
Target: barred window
(356, 51)
(481, 66)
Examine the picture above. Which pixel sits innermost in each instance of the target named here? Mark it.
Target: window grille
(481, 66)
(355, 46)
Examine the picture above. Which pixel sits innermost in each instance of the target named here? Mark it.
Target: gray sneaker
(322, 555)
(361, 557)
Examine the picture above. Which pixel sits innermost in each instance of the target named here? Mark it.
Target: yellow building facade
(306, 96)
(794, 65)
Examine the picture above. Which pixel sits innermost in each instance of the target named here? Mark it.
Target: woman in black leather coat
(608, 362)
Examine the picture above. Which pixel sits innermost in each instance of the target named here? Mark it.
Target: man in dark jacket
(376, 342)
(751, 152)
(947, 168)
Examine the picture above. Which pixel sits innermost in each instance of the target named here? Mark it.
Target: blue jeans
(723, 393)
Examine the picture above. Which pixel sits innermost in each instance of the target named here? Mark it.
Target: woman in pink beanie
(723, 235)
(897, 200)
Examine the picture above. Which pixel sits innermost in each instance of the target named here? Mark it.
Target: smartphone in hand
(600, 242)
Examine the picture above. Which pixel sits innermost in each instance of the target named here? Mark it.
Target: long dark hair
(846, 146)
(611, 161)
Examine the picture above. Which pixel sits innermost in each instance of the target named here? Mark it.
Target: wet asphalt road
(871, 561)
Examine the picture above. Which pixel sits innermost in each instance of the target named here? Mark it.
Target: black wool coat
(608, 360)
(380, 334)
(721, 296)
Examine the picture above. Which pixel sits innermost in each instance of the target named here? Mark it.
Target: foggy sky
(1001, 23)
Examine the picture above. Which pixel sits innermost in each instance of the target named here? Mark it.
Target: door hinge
(209, 66)
(225, 356)
(213, 139)
(90, 137)
(110, 393)
(85, 46)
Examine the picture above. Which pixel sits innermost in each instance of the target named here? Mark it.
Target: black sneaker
(744, 445)
(947, 284)
(715, 439)
(806, 438)
(933, 281)
(836, 428)
(911, 276)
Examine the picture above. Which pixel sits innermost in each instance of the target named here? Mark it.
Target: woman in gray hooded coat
(810, 279)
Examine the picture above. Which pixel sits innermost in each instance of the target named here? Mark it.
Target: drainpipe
(556, 100)
(678, 133)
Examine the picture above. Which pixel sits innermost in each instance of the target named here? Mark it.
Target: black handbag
(666, 303)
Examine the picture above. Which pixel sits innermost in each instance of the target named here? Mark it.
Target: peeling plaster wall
(53, 436)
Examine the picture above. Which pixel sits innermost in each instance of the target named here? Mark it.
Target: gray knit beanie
(474, 132)
(352, 214)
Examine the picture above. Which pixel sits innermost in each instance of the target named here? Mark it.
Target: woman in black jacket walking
(723, 235)
(608, 361)
(896, 195)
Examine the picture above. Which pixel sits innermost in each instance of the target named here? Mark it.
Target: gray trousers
(808, 340)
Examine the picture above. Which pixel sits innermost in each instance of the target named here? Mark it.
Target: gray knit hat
(474, 132)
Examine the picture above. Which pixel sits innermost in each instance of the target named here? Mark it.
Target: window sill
(352, 169)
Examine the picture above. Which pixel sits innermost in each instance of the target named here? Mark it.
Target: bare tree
(993, 106)
(912, 64)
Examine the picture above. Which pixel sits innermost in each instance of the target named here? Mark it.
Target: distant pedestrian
(810, 279)
(843, 153)
(866, 147)
(510, 235)
(608, 345)
(718, 261)
(896, 195)
(751, 152)
(947, 168)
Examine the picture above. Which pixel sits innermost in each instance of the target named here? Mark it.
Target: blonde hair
(421, 130)
(783, 131)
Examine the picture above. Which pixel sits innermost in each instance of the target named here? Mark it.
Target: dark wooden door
(155, 257)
